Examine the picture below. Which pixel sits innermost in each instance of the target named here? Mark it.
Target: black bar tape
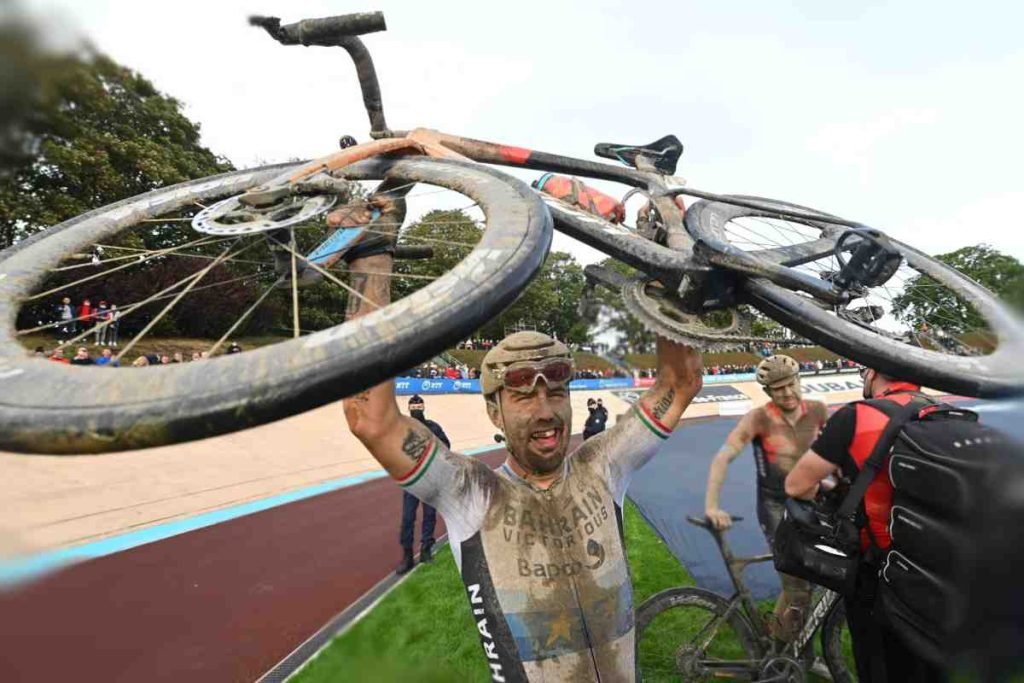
(330, 30)
(408, 252)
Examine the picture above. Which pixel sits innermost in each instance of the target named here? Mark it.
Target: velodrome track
(196, 572)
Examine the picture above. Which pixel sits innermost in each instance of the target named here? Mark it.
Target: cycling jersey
(779, 444)
(545, 569)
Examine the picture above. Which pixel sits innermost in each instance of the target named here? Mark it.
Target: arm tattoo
(415, 445)
(664, 403)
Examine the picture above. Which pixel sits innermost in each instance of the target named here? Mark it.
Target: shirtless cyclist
(781, 430)
(538, 541)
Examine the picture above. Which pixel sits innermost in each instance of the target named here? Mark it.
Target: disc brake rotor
(232, 217)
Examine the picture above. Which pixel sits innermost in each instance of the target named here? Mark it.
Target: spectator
(165, 359)
(58, 356)
(141, 362)
(178, 357)
(84, 314)
(40, 351)
(196, 356)
(597, 419)
(233, 347)
(114, 316)
(107, 358)
(100, 317)
(66, 315)
(411, 502)
(82, 356)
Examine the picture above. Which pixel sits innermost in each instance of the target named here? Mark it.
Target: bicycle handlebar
(341, 31)
(703, 521)
(328, 31)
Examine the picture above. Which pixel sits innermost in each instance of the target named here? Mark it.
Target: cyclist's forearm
(680, 373)
(372, 414)
(717, 473)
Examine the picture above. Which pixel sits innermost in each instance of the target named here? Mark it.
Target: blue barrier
(405, 386)
(718, 379)
(412, 385)
(595, 384)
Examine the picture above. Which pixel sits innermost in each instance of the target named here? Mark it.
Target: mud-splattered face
(786, 396)
(536, 425)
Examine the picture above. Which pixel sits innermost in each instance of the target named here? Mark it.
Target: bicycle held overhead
(702, 272)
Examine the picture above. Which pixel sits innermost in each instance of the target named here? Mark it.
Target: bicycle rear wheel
(836, 646)
(689, 634)
(928, 323)
(53, 408)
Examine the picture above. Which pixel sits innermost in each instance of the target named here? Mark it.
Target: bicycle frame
(702, 277)
(744, 600)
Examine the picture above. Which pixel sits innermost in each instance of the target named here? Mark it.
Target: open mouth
(546, 439)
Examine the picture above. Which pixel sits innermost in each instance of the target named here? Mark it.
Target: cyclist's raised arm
(737, 440)
(399, 443)
(420, 462)
(680, 378)
(629, 444)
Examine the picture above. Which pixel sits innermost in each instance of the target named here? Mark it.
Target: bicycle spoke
(325, 273)
(143, 252)
(295, 289)
(245, 315)
(196, 277)
(127, 308)
(201, 241)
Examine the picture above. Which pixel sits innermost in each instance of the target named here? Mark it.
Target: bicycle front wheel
(141, 247)
(691, 634)
(926, 322)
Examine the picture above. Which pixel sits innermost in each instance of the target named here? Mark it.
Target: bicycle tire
(998, 374)
(696, 599)
(832, 645)
(49, 408)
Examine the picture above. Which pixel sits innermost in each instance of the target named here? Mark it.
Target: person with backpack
(846, 441)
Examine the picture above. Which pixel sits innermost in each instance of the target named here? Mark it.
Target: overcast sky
(905, 116)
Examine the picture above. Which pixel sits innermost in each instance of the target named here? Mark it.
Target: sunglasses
(522, 377)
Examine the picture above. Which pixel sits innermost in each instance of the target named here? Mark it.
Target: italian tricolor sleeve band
(422, 465)
(651, 422)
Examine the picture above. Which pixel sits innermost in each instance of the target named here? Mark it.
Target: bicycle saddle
(663, 153)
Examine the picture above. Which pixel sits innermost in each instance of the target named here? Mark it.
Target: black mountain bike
(260, 233)
(693, 634)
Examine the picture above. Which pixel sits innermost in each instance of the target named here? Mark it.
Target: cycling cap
(521, 346)
(776, 370)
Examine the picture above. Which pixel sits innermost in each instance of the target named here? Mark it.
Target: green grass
(423, 631)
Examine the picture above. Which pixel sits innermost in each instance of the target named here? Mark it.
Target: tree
(96, 132)
(548, 303)
(925, 302)
(634, 337)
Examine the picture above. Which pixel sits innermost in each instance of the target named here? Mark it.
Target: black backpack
(947, 584)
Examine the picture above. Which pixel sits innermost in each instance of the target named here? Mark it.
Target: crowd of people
(73, 320)
(450, 371)
(107, 357)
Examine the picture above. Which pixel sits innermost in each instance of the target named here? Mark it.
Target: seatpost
(342, 31)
